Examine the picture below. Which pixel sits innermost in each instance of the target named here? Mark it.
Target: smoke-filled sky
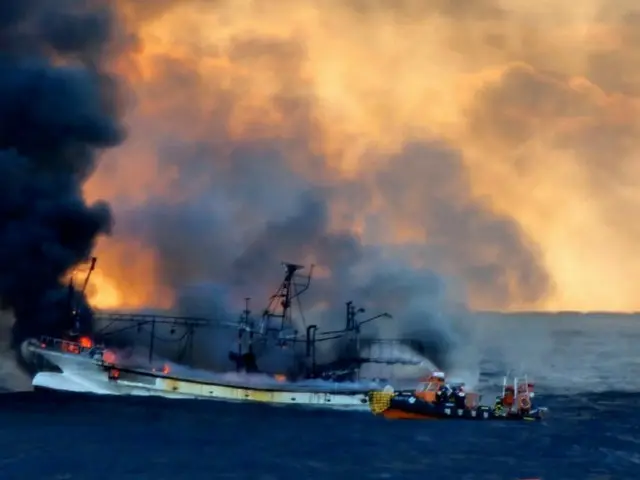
(490, 141)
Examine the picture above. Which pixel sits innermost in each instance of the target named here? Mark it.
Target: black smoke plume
(57, 111)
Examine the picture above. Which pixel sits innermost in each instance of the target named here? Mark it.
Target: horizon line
(558, 312)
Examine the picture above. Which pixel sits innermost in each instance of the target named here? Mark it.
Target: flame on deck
(70, 347)
(164, 370)
(108, 357)
(83, 343)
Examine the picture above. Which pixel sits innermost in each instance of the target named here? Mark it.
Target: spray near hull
(86, 373)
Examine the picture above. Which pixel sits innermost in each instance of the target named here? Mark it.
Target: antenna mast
(280, 303)
(74, 307)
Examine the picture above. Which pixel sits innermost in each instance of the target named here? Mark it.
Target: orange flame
(164, 370)
(109, 357)
(70, 347)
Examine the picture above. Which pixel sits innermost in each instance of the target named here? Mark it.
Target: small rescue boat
(435, 399)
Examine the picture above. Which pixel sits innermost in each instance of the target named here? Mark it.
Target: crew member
(524, 404)
(441, 395)
(460, 397)
(447, 394)
(498, 406)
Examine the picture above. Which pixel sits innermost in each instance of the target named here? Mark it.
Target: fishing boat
(93, 363)
(88, 369)
(435, 399)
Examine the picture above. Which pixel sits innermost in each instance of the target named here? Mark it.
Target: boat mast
(246, 325)
(74, 306)
(280, 303)
(311, 348)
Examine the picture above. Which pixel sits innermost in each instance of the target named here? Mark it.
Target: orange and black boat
(435, 399)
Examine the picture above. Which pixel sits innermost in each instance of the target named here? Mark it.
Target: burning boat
(84, 369)
(95, 363)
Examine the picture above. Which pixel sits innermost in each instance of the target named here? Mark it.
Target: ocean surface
(586, 368)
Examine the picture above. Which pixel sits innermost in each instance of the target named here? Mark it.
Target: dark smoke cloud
(57, 111)
(428, 186)
(243, 209)
(239, 203)
(212, 282)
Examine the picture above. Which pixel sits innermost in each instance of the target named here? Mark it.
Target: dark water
(46, 436)
(576, 360)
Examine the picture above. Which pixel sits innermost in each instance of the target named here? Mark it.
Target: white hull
(81, 374)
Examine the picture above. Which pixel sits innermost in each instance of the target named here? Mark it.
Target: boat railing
(517, 392)
(149, 318)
